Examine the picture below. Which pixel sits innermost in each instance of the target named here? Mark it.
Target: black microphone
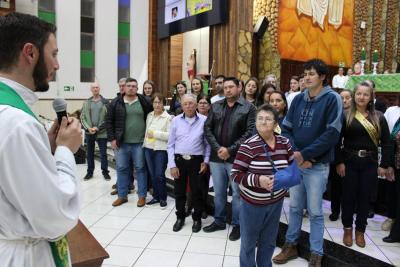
(60, 107)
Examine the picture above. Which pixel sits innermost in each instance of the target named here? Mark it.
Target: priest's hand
(69, 134)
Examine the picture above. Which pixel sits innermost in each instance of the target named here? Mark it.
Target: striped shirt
(251, 162)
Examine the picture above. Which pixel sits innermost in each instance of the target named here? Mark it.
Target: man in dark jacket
(230, 122)
(126, 125)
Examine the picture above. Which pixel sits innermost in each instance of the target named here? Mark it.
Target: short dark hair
(16, 30)
(160, 97)
(219, 76)
(205, 97)
(319, 66)
(128, 80)
(233, 79)
(268, 108)
(295, 77)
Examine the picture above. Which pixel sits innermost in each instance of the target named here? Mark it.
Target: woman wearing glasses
(258, 158)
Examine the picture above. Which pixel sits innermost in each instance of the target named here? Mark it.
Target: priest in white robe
(40, 197)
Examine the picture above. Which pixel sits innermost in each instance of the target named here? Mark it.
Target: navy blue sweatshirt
(313, 125)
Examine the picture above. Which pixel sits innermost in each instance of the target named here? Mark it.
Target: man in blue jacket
(313, 125)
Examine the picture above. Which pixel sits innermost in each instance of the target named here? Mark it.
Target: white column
(139, 40)
(106, 46)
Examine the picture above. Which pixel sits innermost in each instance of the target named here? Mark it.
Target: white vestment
(40, 195)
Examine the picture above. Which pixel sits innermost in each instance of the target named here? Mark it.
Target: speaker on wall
(261, 27)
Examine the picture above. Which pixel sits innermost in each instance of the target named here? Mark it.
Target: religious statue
(317, 9)
(191, 65)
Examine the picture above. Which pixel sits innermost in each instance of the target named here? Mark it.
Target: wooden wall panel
(175, 59)
(162, 73)
(224, 37)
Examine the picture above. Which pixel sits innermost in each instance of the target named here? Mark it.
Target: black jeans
(360, 177)
(335, 182)
(102, 143)
(189, 168)
(395, 232)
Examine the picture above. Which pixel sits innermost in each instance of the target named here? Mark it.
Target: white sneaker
(387, 225)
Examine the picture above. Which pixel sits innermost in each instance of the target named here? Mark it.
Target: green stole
(59, 249)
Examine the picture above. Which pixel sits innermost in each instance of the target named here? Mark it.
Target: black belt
(361, 153)
(188, 157)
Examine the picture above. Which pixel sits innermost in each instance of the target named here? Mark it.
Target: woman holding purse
(258, 160)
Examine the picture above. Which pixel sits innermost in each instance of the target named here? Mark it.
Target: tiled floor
(144, 237)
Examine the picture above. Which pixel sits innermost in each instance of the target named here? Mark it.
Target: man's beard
(40, 75)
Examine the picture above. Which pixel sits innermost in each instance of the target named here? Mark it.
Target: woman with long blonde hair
(363, 131)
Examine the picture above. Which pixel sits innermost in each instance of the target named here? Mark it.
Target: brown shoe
(114, 186)
(360, 241)
(315, 260)
(119, 201)
(141, 202)
(114, 192)
(348, 237)
(289, 252)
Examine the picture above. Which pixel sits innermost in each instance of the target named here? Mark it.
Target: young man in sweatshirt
(313, 125)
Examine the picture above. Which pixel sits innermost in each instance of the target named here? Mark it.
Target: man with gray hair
(93, 116)
(188, 157)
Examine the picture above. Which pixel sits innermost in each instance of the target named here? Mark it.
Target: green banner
(389, 83)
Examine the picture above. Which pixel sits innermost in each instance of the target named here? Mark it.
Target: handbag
(284, 178)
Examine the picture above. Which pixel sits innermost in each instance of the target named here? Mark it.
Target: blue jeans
(221, 173)
(102, 143)
(308, 194)
(156, 161)
(258, 225)
(124, 154)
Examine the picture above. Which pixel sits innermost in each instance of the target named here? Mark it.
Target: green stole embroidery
(59, 249)
(372, 132)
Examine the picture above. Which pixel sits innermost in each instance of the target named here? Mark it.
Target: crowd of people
(332, 135)
(241, 138)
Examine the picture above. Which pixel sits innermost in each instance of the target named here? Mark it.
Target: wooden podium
(85, 250)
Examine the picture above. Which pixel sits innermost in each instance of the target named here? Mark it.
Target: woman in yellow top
(155, 148)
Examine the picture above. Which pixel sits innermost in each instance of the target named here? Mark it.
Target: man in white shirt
(339, 80)
(219, 86)
(39, 191)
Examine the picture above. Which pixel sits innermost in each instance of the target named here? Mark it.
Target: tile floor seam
(383, 253)
(183, 253)
(152, 238)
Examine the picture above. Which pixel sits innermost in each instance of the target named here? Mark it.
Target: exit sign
(68, 88)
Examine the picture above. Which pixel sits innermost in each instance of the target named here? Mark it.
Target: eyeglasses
(265, 119)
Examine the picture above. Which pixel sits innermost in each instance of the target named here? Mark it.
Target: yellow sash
(371, 130)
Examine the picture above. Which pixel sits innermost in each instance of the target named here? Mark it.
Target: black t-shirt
(225, 125)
